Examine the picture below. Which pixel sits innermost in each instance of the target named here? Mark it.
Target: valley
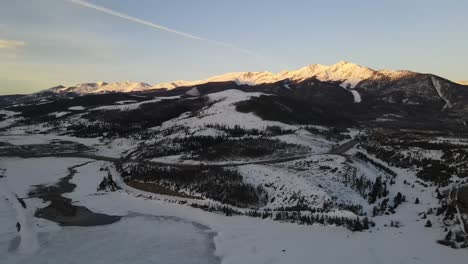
(240, 169)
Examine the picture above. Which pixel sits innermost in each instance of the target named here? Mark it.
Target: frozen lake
(156, 231)
(134, 239)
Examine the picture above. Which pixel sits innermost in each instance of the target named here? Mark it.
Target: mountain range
(340, 83)
(340, 94)
(348, 75)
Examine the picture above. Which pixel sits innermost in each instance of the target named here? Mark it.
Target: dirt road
(343, 147)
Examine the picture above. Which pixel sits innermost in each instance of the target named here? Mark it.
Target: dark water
(61, 210)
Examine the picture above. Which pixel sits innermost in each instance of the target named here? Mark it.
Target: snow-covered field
(223, 112)
(154, 231)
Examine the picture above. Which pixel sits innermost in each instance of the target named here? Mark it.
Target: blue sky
(44, 43)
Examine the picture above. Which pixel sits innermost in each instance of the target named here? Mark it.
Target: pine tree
(365, 223)
(397, 200)
(449, 235)
(375, 211)
(428, 224)
(416, 201)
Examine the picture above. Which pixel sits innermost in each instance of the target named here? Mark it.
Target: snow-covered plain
(155, 231)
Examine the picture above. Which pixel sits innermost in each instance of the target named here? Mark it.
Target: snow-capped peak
(347, 74)
(126, 86)
(101, 83)
(103, 87)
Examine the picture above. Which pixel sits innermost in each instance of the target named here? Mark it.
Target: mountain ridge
(347, 74)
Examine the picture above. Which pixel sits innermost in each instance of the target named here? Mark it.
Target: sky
(45, 43)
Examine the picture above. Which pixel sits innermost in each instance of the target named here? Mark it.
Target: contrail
(156, 26)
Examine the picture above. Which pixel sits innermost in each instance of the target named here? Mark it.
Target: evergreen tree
(365, 223)
(449, 235)
(428, 224)
(397, 200)
(375, 211)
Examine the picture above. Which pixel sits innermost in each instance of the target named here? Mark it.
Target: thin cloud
(157, 26)
(11, 44)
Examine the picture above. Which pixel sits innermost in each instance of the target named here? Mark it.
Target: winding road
(19, 151)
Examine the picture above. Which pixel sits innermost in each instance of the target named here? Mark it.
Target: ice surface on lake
(134, 239)
(152, 230)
